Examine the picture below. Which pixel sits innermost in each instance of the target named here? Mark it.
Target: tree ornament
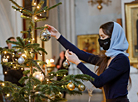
(66, 64)
(52, 96)
(39, 76)
(71, 86)
(5, 59)
(21, 60)
(45, 35)
(60, 94)
(81, 87)
(36, 93)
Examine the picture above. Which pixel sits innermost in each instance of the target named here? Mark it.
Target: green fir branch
(16, 4)
(38, 20)
(34, 45)
(36, 81)
(42, 10)
(22, 11)
(26, 32)
(41, 28)
(13, 42)
(40, 6)
(54, 6)
(20, 40)
(26, 17)
(22, 80)
(41, 49)
(35, 64)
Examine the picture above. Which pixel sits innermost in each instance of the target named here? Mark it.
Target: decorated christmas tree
(39, 84)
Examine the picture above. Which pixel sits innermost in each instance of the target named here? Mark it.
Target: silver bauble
(66, 64)
(21, 60)
(45, 35)
(39, 76)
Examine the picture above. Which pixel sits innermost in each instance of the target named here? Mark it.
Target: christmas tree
(39, 85)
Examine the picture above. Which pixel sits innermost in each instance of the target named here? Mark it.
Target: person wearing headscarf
(113, 67)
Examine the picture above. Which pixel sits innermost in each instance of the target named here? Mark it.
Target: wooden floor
(97, 97)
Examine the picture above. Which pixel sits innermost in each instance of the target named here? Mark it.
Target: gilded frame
(89, 43)
(131, 16)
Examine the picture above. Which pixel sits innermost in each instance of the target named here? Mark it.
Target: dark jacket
(114, 79)
(12, 75)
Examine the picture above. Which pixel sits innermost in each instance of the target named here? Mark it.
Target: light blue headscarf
(118, 43)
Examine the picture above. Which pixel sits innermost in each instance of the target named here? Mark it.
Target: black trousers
(118, 99)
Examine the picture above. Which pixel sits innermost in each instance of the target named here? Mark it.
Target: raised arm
(87, 57)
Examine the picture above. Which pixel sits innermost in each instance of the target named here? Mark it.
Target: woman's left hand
(72, 57)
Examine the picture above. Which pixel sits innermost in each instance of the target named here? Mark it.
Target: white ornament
(39, 76)
(21, 60)
(5, 60)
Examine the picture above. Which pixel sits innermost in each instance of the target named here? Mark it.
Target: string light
(15, 67)
(44, 10)
(8, 95)
(7, 56)
(64, 75)
(20, 10)
(5, 52)
(35, 18)
(33, 39)
(3, 84)
(34, 3)
(29, 41)
(14, 9)
(21, 68)
(11, 63)
(5, 72)
(40, 14)
(38, 7)
(34, 87)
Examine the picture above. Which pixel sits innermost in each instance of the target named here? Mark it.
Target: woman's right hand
(53, 31)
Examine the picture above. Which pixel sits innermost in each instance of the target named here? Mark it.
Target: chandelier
(99, 2)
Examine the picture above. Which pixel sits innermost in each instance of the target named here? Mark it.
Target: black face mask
(105, 44)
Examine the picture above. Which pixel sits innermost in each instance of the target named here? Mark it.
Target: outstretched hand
(72, 57)
(54, 32)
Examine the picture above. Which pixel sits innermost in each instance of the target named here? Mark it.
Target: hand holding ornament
(53, 31)
(72, 57)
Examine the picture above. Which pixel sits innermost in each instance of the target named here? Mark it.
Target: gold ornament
(60, 94)
(81, 87)
(71, 86)
(99, 7)
(50, 69)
